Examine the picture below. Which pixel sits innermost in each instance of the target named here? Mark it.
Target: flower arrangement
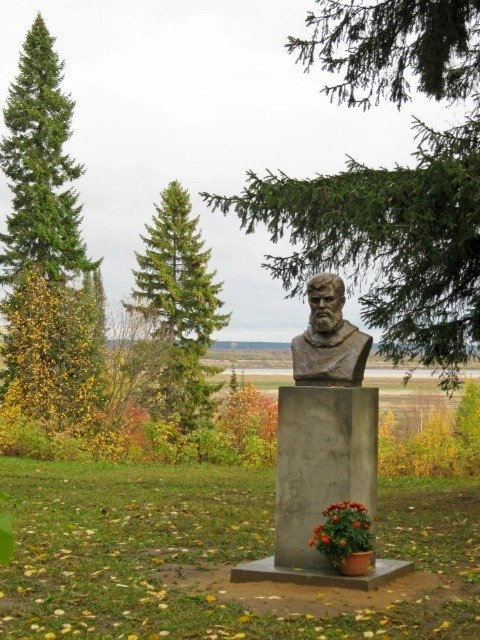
(347, 530)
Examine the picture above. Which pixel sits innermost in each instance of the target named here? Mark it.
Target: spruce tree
(175, 288)
(43, 228)
(417, 229)
(53, 361)
(94, 301)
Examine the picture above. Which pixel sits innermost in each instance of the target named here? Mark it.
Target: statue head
(326, 297)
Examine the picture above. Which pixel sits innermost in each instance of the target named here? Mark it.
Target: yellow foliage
(47, 351)
(433, 451)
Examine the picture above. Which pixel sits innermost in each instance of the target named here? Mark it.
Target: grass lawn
(96, 546)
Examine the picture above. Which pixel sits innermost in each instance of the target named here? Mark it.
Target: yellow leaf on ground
(244, 618)
(210, 598)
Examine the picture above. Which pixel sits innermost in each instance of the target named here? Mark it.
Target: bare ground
(284, 600)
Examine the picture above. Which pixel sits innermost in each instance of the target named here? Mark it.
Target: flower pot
(356, 564)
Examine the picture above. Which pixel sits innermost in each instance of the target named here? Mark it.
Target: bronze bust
(331, 352)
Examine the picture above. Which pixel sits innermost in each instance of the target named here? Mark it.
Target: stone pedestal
(327, 452)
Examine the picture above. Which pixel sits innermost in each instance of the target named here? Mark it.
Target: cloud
(199, 92)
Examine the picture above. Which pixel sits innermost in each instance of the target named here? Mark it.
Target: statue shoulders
(336, 358)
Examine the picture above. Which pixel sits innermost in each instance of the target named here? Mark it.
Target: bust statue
(331, 352)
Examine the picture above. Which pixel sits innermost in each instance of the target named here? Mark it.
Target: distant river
(369, 373)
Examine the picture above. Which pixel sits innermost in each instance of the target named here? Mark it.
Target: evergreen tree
(93, 286)
(378, 45)
(417, 229)
(175, 288)
(44, 227)
(52, 361)
(94, 302)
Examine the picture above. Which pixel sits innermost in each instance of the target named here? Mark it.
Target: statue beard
(325, 321)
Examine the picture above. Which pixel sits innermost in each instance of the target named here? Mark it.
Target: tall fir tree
(43, 250)
(417, 229)
(94, 303)
(43, 229)
(174, 287)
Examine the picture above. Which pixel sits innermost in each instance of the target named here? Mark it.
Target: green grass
(92, 543)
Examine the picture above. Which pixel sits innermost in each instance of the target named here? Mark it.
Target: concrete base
(384, 571)
(327, 452)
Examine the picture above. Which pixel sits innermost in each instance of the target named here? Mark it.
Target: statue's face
(326, 309)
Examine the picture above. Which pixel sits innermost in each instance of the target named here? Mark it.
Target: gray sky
(199, 92)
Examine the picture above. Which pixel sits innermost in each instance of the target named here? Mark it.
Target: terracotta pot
(356, 564)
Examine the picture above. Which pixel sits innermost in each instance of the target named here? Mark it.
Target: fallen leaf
(243, 619)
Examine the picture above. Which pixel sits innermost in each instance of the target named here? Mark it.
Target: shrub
(433, 451)
(390, 451)
(250, 417)
(214, 446)
(258, 452)
(167, 441)
(27, 439)
(468, 426)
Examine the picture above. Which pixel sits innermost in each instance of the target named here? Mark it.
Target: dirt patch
(285, 600)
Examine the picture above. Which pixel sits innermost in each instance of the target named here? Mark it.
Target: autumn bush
(445, 443)
(468, 426)
(50, 373)
(250, 418)
(244, 434)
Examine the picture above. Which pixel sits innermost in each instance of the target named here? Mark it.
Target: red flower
(366, 525)
(325, 539)
(312, 542)
(317, 530)
(342, 543)
(356, 524)
(335, 517)
(357, 506)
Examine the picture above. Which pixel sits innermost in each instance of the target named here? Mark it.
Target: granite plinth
(382, 573)
(327, 452)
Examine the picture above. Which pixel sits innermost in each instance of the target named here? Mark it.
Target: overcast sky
(200, 92)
